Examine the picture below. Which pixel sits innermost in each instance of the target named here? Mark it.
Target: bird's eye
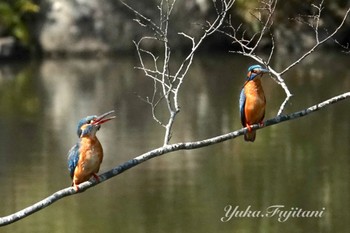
(88, 122)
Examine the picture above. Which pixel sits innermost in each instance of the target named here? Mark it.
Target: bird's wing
(241, 106)
(73, 158)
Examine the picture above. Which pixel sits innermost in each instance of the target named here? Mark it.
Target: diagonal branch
(147, 22)
(318, 43)
(161, 151)
(270, 7)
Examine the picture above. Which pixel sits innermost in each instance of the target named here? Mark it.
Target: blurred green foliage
(19, 93)
(13, 19)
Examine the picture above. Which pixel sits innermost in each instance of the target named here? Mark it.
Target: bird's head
(256, 71)
(88, 126)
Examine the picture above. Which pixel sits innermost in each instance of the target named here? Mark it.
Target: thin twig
(148, 22)
(271, 6)
(320, 42)
(171, 83)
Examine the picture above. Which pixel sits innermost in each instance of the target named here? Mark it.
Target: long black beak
(104, 118)
(264, 71)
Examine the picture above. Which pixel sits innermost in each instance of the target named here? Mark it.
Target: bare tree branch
(147, 22)
(270, 8)
(161, 151)
(171, 82)
(250, 45)
(319, 41)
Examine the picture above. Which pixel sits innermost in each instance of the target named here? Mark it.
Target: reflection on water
(301, 164)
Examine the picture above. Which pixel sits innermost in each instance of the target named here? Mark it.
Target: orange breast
(91, 155)
(255, 102)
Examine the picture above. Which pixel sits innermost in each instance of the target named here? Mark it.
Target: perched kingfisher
(85, 158)
(252, 101)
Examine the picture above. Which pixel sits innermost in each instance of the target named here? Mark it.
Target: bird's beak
(104, 118)
(264, 71)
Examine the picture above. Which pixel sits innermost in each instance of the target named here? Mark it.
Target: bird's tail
(250, 136)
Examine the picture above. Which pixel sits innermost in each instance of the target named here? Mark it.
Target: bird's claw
(96, 177)
(76, 188)
(249, 128)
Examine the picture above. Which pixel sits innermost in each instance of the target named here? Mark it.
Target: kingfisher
(85, 157)
(252, 101)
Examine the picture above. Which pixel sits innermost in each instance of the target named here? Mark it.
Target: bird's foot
(76, 188)
(249, 128)
(261, 123)
(96, 177)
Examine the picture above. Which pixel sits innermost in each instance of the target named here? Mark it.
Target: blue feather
(254, 67)
(73, 158)
(83, 122)
(242, 98)
(258, 69)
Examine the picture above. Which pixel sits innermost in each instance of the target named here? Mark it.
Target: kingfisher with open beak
(85, 158)
(252, 101)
